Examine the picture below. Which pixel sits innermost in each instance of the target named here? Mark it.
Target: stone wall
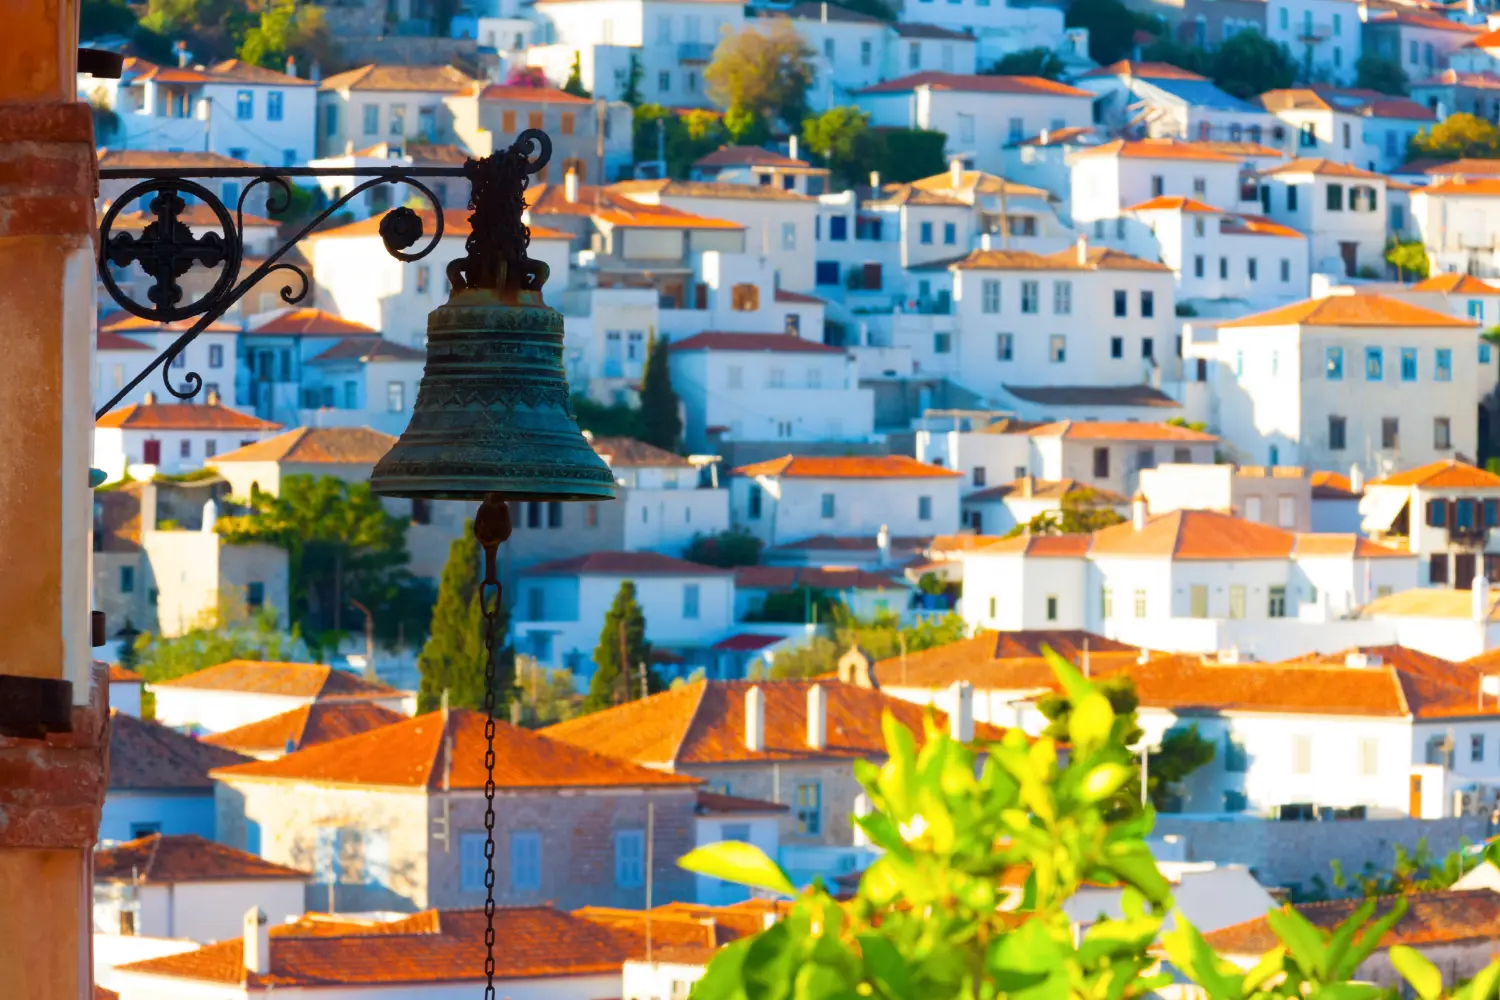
(778, 783)
(1291, 853)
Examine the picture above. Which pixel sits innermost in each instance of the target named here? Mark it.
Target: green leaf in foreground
(735, 861)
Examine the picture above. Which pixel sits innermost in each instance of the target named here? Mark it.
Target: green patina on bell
(492, 415)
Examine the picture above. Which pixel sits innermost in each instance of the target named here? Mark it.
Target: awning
(1379, 508)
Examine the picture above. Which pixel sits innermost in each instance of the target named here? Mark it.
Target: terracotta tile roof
(1074, 546)
(704, 723)
(1462, 166)
(972, 182)
(122, 322)
(147, 756)
(435, 947)
(910, 194)
(455, 224)
(1350, 310)
(1441, 917)
(630, 453)
(1175, 203)
(975, 84)
(100, 993)
(754, 156)
(712, 803)
(1321, 167)
(611, 205)
(183, 417)
(1045, 489)
(1120, 430)
(1158, 149)
(624, 564)
(916, 29)
(846, 467)
(1144, 70)
(1194, 534)
(122, 675)
(1057, 136)
(1418, 19)
(1241, 149)
(1461, 284)
(783, 295)
(319, 445)
(1331, 486)
(707, 189)
(1445, 473)
(1485, 80)
(1346, 100)
(296, 680)
(1463, 187)
(964, 541)
(427, 79)
(1324, 544)
(311, 322)
(1096, 259)
(145, 159)
(851, 543)
(815, 577)
(1002, 660)
(183, 857)
(411, 754)
(1412, 662)
(779, 342)
(108, 340)
(1093, 395)
(746, 642)
(306, 726)
(1257, 225)
(530, 95)
(368, 349)
(195, 215)
(1429, 602)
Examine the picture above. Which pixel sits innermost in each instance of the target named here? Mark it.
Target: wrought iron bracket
(167, 248)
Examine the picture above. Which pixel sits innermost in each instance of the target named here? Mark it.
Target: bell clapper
(491, 527)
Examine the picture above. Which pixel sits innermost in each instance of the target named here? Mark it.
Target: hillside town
(1245, 479)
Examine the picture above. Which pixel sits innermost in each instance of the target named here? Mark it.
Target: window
(1236, 757)
(924, 508)
(1198, 600)
(1374, 364)
(814, 378)
(1237, 600)
(1122, 302)
(421, 511)
(1443, 365)
(1442, 433)
(979, 475)
(255, 594)
(925, 233)
(1017, 130)
(395, 397)
(1335, 198)
(534, 514)
(690, 597)
(1390, 432)
(216, 355)
(838, 228)
(1252, 508)
(1140, 604)
(1286, 270)
(788, 236)
(1057, 348)
(1408, 364)
(950, 233)
(273, 106)
(398, 120)
(664, 81)
(1030, 296)
(127, 579)
(1291, 189)
(1148, 304)
(1276, 603)
(744, 297)
(1158, 187)
(1101, 463)
(1062, 298)
(827, 507)
(351, 395)
(1437, 513)
(525, 860)
(1476, 747)
(471, 862)
(1148, 351)
(566, 123)
(630, 859)
(1004, 347)
(591, 515)
(826, 272)
(424, 279)
(989, 296)
(1437, 568)
(1251, 268)
(1198, 265)
(1369, 757)
(753, 502)
(914, 54)
(865, 53)
(1052, 607)
(1302, 755)
(1117, 347)
(1223, 268)
(244, 105)
(507, 121)
(809, 807)
(330, 120)
(1333, 364)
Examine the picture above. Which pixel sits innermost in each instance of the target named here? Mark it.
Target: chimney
(956, 173)
(348, 147)
(825, 13)
(883, 546)
(1356, 479)
(858, 668)
(1083, 250)
(755, 719)
(1028, 486)
(150, 399)
(1139, 511)
(213, 397)
(210, 516)
(257, 934)
(1046, 134)
(291, 65)
(961, 712)
(875, 180)
(792, 144)
(570, 187)
(817, 717)
(986, 241)
(315, 71)
(1481, 596)
(148, 506)
(183, 55)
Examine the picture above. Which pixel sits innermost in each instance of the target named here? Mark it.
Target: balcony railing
(695, 52)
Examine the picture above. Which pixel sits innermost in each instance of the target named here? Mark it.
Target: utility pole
(601, 121)
(650, 835)
(661, 146)
(645, 681)
(623, 691)
(369, 640)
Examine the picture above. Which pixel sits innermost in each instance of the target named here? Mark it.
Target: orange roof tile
(145, 159)
(1471, 187)
(311, 322)
(1045, 489)
(1096, 259)
(433, 947)
(122, 675)
(624, 564)
(846, 467)
(1144, 70)
(714, 803)
(195, 215)
(1175, 203)
(1462, 284)
(1345, 546)
(1194, 534)
(1429, 602)
(427, 79)
(122, 322)
(530, 95)
(1449, 915)
(976, 84)
(108, 340)
(747, 156)
(1258, 225)
(1445, 473)
(411, 754)
(145, 755)
(315, 445)
(1120, 430)
(1001, 660)
(779, 342)
(183, 417)
(1241, 149)
(1350, 310)
(306, 726)
(1321, 167)
(1461, 166)
(1408, 661)
(297, 680)
(704, 723)
(1331, 486)
(643, 190)
(184, 857)
(1158, 149)
(628, 452)
(1069, 546)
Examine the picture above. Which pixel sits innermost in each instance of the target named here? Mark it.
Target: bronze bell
(492, 417)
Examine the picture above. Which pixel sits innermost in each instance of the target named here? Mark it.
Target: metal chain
(491, 527)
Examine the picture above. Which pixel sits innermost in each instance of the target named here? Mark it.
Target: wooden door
(1414, 796)
(1463, 570)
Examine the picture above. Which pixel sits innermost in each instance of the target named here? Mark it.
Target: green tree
(287, 28)
(1247, 63)
(98, 18)
(1373, 72)
(547, 696)
(229, 633)
(575, 85)
(936, 915)
(1188, 57)
(614, 420)
(1417, 870)
(877, 9)
(632, 93)
(686, 137)
(1040, 61)
(882, 637)
(1192, 425)
(1409, 258)
(1459, 136)
(760, 77)
(661, 417)
(341, 546)
(453, 658)
(1111, 28)
(835, 137)
(727, 549)
(901, 155)
(808, 605)
(1080, 513)
(621, 655)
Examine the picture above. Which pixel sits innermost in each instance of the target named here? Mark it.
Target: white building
(768, 387)
(980, 115)
(662, 506)
(998, 509)
(239, 692)
(796, 497)
(1281, 495)
(362, 382)
(390, 104)
(149, 437)
(126, 344)
(762, 167)
(1342, 210)
(1346, 380)
(1108, 179)
(1360, 128)
(1443, 513)
(451, 193)
(1420, 41)
(1171, 102)
(234, 108)
(560, 606)
(1456, 219)
(1324, 37)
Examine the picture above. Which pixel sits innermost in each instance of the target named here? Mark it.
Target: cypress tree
(622, 649)
(661, 421)
(574, 85)
(452, 660)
